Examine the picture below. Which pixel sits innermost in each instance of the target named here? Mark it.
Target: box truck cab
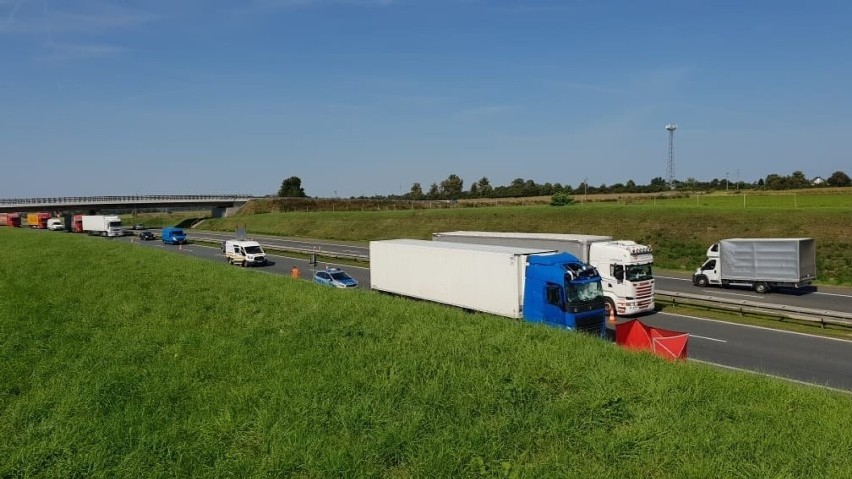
(245, 253)
(713, 251)
(173, 235)
(540, 286)
(625, 266)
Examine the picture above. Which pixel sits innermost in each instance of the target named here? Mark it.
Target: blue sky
(363, 97)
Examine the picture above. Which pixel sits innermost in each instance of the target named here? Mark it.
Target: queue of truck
(625, 267)
(574, 281)
(534, 284)
(108, 226)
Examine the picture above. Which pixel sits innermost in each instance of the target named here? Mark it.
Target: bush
(561, 199)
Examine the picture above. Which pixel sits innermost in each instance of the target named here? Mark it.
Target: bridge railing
(119, 199)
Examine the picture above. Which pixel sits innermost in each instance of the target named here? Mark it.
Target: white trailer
(759, 263)
(476, 277)
(103, 225)
(625, 267)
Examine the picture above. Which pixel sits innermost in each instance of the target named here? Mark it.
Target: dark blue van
(173, 235)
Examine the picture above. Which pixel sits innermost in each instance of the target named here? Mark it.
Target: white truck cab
(626, 275)
(708, 273)
(245, 253)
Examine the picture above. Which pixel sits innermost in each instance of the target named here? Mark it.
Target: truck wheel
(761, 288)
(701, 281)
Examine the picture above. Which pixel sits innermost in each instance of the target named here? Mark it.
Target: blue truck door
(553, 309)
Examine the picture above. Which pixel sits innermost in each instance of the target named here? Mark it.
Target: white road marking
(783, 331)
(734, 294)
(835, 294)
(774, 376)
(709, 339)
(672, 277)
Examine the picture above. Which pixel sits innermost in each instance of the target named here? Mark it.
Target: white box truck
(535, 284)
(759, 263)
(103, 225)
(625, 267)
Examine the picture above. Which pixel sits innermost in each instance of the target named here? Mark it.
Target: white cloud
(266, 5)
(93, 19)
(483, 111)
(63, 52)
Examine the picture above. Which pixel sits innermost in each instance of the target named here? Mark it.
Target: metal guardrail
(821, 316)
(289, 249)
(319, 252)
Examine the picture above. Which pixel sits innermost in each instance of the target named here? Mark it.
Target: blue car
(335, 277)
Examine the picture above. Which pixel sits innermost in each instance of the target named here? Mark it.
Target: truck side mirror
(619, 273)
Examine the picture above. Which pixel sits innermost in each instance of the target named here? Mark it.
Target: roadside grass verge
(122, 361)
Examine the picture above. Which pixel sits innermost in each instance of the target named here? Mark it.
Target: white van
(245, 253)
(55, 224)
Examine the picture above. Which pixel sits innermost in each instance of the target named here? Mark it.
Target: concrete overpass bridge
(220, 205)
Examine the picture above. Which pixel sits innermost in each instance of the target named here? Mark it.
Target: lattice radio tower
(670, 168)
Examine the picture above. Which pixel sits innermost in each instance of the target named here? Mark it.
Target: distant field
(122, 361)
(677, 229)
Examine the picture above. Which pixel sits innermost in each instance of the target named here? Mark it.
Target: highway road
(828, 298)
(799, 357)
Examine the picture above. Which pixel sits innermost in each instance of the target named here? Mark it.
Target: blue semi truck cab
(560, 290)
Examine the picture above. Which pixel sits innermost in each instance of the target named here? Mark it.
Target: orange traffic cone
(612, 316)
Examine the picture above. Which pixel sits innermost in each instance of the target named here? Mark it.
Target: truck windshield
(638, 272)
(583, 293)
(115, 224)
(254, 250)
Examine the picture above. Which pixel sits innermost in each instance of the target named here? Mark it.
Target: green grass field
(123, 361)
(678, 230)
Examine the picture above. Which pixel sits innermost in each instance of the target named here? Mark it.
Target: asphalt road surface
(827, 298)
(814, 360)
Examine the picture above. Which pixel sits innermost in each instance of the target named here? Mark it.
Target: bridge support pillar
(217, 212)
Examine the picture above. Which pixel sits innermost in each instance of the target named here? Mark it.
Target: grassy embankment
(120, 361)
(679, 229)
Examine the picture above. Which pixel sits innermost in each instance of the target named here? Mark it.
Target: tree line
(452, 188)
